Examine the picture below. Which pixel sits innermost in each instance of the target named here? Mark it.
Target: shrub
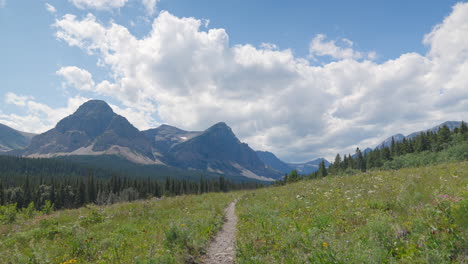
(94, 217)
(48, 207)
(29, 211)
(8, 213)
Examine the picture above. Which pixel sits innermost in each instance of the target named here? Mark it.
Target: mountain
(399, 137)
(450, 124)
(94, 129)
(11, 139)
(365, 151)
(274, 162)
(303, 168)
(308, 167)
(218, 150)
(94, 133)
(164, 137)
(388, 142)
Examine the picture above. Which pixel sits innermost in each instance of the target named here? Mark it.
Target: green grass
(417, 215)
(172, 230)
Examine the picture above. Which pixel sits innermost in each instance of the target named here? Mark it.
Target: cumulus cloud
(150, 6)
(276, 101)
(12, 98)
(141, 119)
(99, 4)
(50, 8)
(39, 117)
(320, 47)
(76, 77)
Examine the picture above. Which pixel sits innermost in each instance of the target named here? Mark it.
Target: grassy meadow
(413, 215)
(172, 230)
(417, 215)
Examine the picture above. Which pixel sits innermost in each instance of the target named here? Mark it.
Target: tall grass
(417, 215)
(173, 230)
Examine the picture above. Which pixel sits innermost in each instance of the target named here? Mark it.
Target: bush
(176, 238)
(48, 207)
(94, 217)
(29, 211)
(8, 213)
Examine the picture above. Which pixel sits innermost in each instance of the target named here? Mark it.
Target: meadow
(171, 230)
(416, 215)
(412, 215)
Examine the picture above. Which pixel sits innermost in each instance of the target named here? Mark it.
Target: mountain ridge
(94, 130)
(399, 137)
(13, 139)
(274, 162)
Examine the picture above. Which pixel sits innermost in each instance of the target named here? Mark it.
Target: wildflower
(325, 245)
(72, 261)
(86, 241)
(182, 225)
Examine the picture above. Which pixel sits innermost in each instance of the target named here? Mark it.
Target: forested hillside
(35, 182)
(426, 148)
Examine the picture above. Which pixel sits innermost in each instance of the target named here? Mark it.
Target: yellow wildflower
(325, 244)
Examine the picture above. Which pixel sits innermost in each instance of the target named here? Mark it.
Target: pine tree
(385, 154)
(392, 147)
(322, 171)
(443, 135)
(293, 176)
(359, 160)
(464, 130)
(2, 195)
(337, 163)
(344, 165)
(351, 164)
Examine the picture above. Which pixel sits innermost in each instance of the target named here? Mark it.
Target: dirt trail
(222, 248)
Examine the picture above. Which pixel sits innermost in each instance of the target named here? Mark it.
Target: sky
(303, 79)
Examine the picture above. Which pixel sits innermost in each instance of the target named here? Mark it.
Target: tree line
(65, 185)
(382, 156)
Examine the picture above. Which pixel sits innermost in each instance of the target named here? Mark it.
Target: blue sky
(381, 32)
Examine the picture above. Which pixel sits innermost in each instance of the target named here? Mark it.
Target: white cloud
(99, 4)
(39, 117)
(50, 8)
(3, 3)
(140, 119)
(76, 77)
(150, 6)
(274, 100)
(12, 98)
(320, 47)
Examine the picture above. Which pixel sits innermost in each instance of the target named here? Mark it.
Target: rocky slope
(217, 149)
(94, 129)
(11, 139)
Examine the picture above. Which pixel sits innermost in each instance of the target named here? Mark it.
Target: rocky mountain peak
(91, 118)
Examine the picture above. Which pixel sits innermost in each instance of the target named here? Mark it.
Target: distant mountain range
(399, 137)
(303, 168)
(95, 130)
